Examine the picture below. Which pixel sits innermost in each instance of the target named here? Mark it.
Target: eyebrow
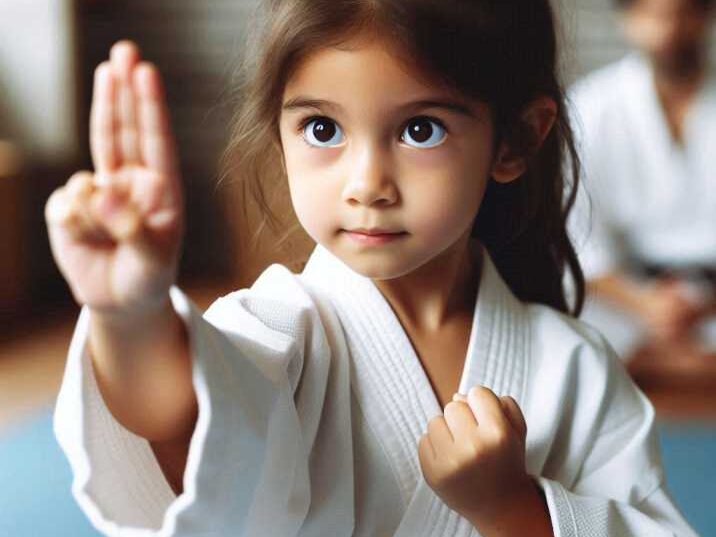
(452, 106)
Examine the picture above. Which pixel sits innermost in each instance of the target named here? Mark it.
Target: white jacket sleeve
(247, 467)
(611, 481)
(587, 510)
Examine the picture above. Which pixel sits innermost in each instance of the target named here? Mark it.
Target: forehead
(359, 63)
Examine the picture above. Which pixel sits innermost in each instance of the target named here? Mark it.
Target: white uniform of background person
(311, 403)
(650, 199)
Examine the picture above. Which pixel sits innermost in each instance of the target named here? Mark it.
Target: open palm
(116, 233)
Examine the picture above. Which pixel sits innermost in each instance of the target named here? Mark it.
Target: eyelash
(304, 122)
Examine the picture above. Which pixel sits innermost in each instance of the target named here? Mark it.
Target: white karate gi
(311, 403)
(648, 199)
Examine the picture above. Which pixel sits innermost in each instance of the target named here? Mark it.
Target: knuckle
(79, 178)
(434, 423)
(500, 438)
(471, 450)
(479, 391)
(56, 206)
(452, 407)
(423, 444)
(453, 466)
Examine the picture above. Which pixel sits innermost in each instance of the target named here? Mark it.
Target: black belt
(695, 273)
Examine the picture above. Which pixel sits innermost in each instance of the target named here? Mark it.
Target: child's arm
(115, 235)
(661, 305)
(143, 371)
(131, 358)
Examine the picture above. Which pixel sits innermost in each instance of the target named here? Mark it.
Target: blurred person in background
(645, 222)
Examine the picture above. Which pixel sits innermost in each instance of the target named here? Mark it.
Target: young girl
(422, 375)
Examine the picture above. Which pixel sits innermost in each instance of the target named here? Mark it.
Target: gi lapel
(392, 387)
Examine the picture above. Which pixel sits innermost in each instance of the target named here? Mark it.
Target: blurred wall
(593, 36)
(37, 77)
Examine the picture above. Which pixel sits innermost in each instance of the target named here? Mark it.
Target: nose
(370, 178)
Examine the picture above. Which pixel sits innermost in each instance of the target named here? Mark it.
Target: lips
(375, 231)
(374, 237)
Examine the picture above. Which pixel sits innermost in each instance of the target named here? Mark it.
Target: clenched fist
(473, 456)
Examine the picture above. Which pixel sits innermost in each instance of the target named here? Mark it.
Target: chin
(388, 267)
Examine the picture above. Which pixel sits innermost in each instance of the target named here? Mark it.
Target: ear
(538, 117)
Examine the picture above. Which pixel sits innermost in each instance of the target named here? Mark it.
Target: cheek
(312, 205)
(448, 197)
(441, 210)
(303, 203)
(311, 210)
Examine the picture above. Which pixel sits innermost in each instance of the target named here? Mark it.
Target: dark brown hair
(502, 52)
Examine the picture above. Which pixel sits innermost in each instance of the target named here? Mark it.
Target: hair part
(507, 58)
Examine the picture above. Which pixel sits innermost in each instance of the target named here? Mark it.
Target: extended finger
(124, 55)
(103, 144)
(155, 136)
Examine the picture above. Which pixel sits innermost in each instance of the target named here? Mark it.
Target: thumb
(117, 214)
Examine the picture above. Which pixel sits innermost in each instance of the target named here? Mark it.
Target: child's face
(375, 159)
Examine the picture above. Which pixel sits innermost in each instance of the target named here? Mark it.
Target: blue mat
(35, 497)
(688, 452)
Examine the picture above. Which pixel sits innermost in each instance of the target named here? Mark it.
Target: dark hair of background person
(702, 4)
(501, 52)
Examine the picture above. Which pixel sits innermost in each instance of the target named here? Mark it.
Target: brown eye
(424, 131)
(321, 132)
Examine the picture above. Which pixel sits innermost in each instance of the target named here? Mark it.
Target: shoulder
(567, 342)
(567, 337)
(277, 309)
(581, 367)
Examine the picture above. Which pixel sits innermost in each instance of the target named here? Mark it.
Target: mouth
(374, 236)
(374, 232)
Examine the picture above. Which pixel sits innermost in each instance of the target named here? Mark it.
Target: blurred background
(48, 51)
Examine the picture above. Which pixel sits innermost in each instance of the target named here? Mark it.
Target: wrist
(129, 319)
(523, 513)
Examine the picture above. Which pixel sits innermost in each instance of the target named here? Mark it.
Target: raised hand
(116, 233)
